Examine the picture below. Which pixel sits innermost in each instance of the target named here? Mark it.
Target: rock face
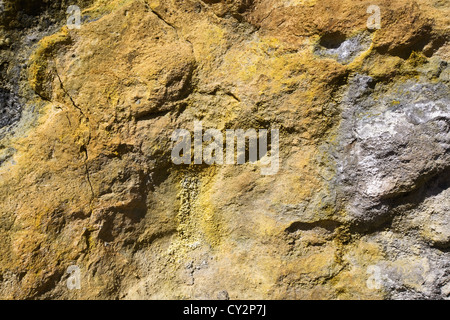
(359, 208)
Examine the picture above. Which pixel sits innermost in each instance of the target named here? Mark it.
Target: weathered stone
(359, 206)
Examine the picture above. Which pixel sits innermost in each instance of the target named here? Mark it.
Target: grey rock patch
(10, 108)
(411, 269)
(393, 179)
(392, 141)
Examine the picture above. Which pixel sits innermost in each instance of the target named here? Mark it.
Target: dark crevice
(332, 40)
(160, 17)
(69, 96)
(84, 147)
(435, 45)
(445, 248)
(152, 115)
(427, 186)
(267, 16)
(329, 225)
(381, 224)
(424, 41)
(218, 90)
(47, 284)
(181, 108)
(233, 96)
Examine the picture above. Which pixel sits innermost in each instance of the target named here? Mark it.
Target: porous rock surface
(359, 208)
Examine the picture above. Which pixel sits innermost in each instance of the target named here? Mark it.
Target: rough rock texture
(358, 210)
